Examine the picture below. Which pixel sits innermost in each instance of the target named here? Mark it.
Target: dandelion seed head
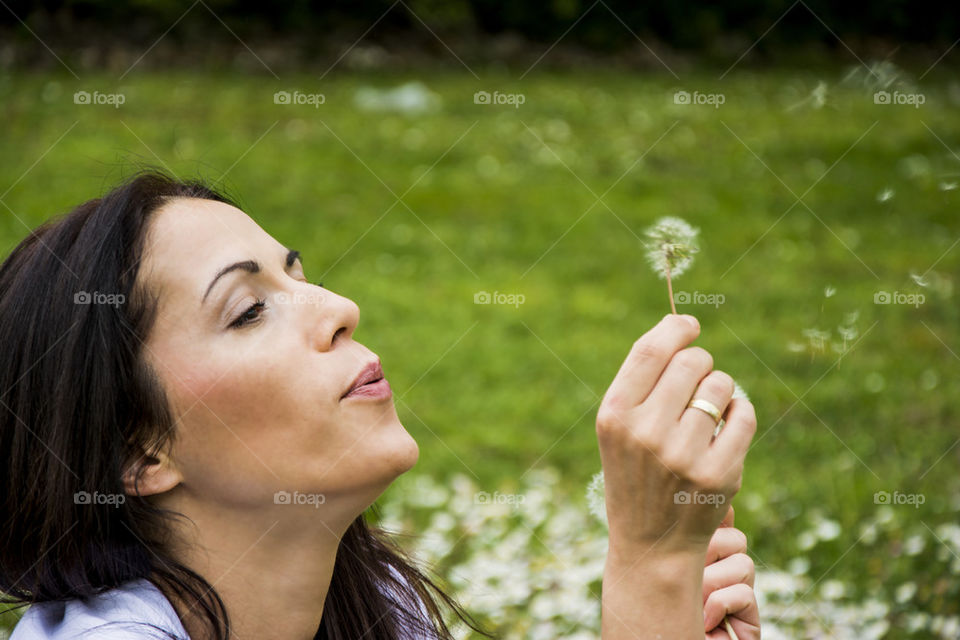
(671, 244)
(596, 500)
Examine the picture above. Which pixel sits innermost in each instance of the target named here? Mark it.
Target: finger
(733, 442)
(737, 601)
(726, 572)
(725, 542)
(717, 389)
(679, 381)
(647, 359)
(728, 519)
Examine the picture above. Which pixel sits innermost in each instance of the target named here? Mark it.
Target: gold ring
(707, 407)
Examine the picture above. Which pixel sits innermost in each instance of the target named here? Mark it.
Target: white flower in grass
(833, 589)
(806, 540)
(914, 544)
(828, 529)
(799, 566)
(905, 592)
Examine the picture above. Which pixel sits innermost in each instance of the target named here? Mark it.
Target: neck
(280, 560)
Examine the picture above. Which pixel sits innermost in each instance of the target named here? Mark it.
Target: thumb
(728, 519)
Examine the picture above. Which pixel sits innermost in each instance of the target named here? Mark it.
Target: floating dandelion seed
(919, 280)
(671, 244)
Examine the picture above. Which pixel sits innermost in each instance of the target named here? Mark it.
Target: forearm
(647, 597)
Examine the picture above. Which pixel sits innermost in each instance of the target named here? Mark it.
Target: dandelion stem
(673, 307)
(730, 631)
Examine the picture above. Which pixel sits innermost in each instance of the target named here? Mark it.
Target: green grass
(493, 390)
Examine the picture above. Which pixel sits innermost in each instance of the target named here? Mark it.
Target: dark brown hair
(79, 404)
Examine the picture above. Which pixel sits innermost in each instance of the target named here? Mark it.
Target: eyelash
(242, 321)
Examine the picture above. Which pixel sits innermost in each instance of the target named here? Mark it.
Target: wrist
(665, 568)
(658, 591)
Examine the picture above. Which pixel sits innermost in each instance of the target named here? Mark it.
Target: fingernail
(691, 320)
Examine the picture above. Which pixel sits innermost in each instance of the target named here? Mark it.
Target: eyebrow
(250, 266)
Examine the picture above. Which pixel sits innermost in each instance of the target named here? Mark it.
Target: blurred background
(478, 176)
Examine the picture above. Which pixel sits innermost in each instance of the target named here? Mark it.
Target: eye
(250, 315)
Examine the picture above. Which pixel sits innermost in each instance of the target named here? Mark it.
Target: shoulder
(136, 610)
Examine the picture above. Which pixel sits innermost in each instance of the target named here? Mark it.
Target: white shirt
(131, 608)
(138, 601)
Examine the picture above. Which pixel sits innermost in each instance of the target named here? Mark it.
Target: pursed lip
(370, 373)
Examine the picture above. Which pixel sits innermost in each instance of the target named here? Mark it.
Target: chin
(399, 454)
(406, 452)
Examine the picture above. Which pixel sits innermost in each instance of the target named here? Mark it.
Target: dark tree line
(603, 25)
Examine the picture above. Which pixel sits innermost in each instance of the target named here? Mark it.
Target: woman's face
(256, 391)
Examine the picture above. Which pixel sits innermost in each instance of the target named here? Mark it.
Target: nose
(337, 319)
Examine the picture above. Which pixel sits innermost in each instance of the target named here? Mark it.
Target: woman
(190, 437)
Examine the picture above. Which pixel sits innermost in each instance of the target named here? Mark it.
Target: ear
(158, 475)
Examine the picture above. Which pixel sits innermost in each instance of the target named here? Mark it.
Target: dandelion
(670, 248)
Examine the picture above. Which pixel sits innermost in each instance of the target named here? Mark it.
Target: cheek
(251, 399)
(253, 415)
(256, 420)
